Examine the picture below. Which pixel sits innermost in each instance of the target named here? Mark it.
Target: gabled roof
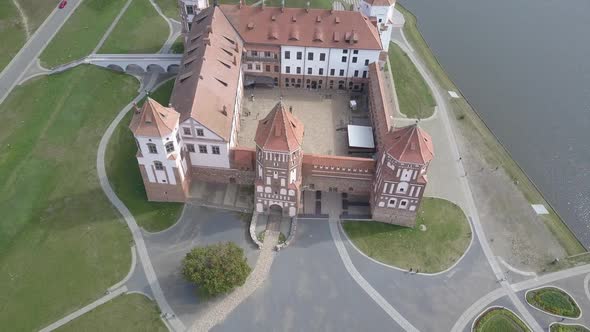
(303, 27)
(279, 130)
(410, 145)
(153, 120)
(208, 78)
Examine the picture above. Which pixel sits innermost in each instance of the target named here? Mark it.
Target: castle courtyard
(325, 115)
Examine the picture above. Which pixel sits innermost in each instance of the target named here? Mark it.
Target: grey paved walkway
(111, 27)
(12, 74)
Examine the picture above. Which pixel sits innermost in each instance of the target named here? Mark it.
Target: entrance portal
(274, 218)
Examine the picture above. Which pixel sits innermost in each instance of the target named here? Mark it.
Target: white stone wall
(209, 140)
(169, 164)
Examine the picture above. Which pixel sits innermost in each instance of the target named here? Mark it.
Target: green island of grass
(82, 32)
(133, 312)
(12, 33)
(62, 243)
(499, 319)
(140, 30)
(125, 178)
(169, 8)
(415, 98)
(554, 301)
(558, 327)
(441, 236)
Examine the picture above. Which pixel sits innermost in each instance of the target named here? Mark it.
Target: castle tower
(188, 9)
(279, 137)
(161, 162)
(381, 13)
(401, 176)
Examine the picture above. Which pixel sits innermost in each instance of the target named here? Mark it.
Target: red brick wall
(345, 174)
(163, 192)
(221, 175)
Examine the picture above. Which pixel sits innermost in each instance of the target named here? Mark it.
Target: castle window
(298, 70)
(169, 147)
(321, 72)
(355, 52)
(322, 56)
(392, 202)
(356, 73)
(299, 55)
(403, 204)
(186, 131)
(190, 147)
(332, 72)
(288, 70)
(254, 53)
(202, 148)
(277, 69)
(189, 10)
(267, 67)
(354, 59)
(258, 66)
(287, 55)
(214, 149)
(366, 62)
(364, 74)
(152, 148)
(341, 72)
(309, 71)
(343, 59)
(158, 165)
(249, 66)
(267, 54)
(200, 132)
(310, 56)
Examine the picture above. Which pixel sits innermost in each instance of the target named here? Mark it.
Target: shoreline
(464, 111)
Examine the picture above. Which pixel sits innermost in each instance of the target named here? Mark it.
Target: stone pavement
(223, 196)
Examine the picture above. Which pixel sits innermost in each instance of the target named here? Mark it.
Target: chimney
(291, 109)
(224, 111)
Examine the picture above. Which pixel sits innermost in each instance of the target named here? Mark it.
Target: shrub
(554, 301)
(217, 268)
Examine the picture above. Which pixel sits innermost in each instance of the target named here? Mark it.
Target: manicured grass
(567, 328)
(37, 11)
(500, 320)
(445, 239)
(124, 176)
(133, 312)
(487, 144)
(62, 244)
(415, 98)
(12, 32)
(140, 30)
(554, 301)
(178, 46)
(170, 8)
(82, 32)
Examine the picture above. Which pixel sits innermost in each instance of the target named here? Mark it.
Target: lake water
(525, 66)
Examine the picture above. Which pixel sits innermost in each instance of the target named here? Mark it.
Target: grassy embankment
(554, 301)
(500, 319)
(133, 312)
(61, 241)
(140, 30)
(440, 237)
(124, 176)
(487, 144)
(82, 32)
(415, 98)
(558, 327)
(12, 32)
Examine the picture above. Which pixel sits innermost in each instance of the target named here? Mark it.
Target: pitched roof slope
(207, 82)
(303, 27)
(279, 130)
(383, 109)
(153, 120)
(410, 145)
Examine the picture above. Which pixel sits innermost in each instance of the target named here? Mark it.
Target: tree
(217, 268)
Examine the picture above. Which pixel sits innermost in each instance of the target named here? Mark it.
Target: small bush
(217, 268)
(282, 238)
(260, 236)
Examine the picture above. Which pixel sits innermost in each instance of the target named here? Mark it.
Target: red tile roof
(153, 120)
(279, 130)
(303, 27)
(207, 83)
(410, 145)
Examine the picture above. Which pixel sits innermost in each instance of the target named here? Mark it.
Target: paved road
(34, 46)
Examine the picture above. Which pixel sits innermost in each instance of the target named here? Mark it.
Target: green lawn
(36, 11)
(170, 8)
(140, 30)
(415, 99)
(554, 301)
(62, 244)
(82, 32)
(125, 178)
(434, 249)
(133, 312)
(567, 328)
(178, 46)
(487, 144)
(12, 32)
(500, 320)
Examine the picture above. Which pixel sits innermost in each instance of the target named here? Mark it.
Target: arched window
(152, 148)
(169, 147)
(392, 202)
(402, 188)
(158, 165)
(403, 204)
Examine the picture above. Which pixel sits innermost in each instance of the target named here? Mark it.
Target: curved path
(144, 258)
(471, 207)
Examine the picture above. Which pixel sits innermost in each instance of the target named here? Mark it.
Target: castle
(227, 46)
